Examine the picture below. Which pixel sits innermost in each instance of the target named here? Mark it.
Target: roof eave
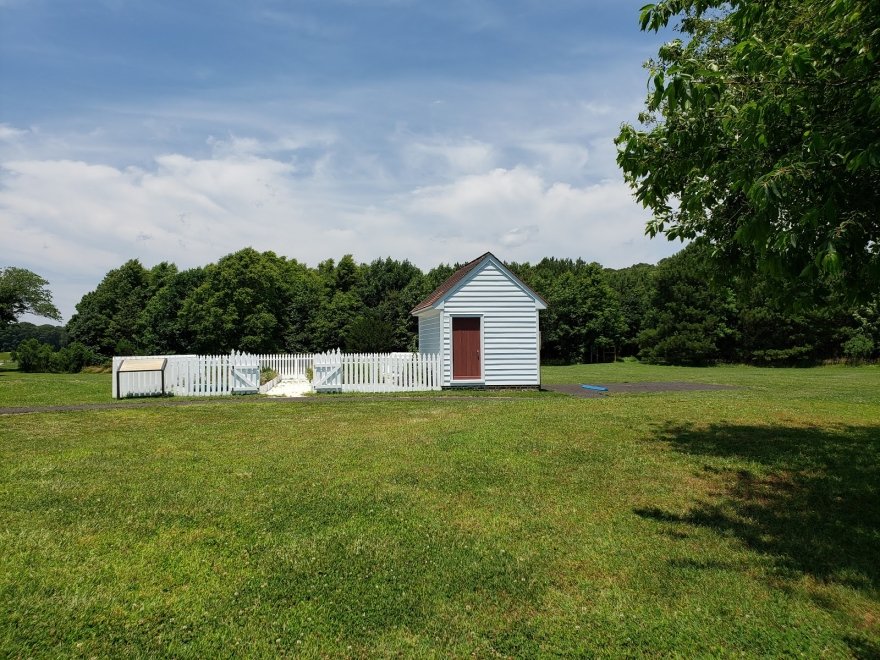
(473, 267)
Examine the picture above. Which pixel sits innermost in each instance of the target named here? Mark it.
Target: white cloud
(374, 171)
(10, 133)
(532, 217)
(289, 142)
(519, 236)
(560, 157)
(445, 156)
(73, 221)
(301, 23)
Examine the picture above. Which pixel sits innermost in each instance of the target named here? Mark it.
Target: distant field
(712, 523)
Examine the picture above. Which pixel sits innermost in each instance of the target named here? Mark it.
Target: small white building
(483, 321)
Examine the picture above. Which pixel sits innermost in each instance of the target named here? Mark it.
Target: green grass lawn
(18, 389)
(6, 362)
(713, 523)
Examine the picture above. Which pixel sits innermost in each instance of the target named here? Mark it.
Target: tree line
(681, 311)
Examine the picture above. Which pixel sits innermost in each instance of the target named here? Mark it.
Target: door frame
(468, 381)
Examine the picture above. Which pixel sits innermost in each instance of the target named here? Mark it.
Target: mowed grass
(19, 389)
(714, 523)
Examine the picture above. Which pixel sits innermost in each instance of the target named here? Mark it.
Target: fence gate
(245, 379)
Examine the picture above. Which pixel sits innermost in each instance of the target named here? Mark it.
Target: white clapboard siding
(510, 340)
(508, 323)
(430, 332)
(376, 372)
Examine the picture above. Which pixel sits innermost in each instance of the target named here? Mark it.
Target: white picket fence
(335, 371)
(239, 373)
(190, 375)
(292, 365)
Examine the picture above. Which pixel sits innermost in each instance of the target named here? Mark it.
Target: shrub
(784, 357)
(858, 348)
(683, 345)
(73, 357)
(267, 374)
(35, 356)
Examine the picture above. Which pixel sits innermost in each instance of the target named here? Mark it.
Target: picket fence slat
(376, 372)
(219, 375)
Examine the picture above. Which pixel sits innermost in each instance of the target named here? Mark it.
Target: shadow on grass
(807, 497)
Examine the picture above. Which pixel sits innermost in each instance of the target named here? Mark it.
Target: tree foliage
(261, 302)
(238, 305)
(107, 319)
(634, 287)
(762, 133)
(583, 314)
(12, 334)
(369, 334)
(689, 322)
(24, 292)
(35, 356)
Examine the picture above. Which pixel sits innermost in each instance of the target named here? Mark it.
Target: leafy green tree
(161, 329)
(33, 356)
(762, 134)
(772, 331)
(583, 314)
(369, 334)
(239, 305)
(72, 358)
(12, 334)
(304, 294)
(390, 289)
(634, 287)
(436, 276)
(346, 275)
(328, 327)
(858, 348)
(690, 322)
(866, 320)
(107, 319)
(24, 292)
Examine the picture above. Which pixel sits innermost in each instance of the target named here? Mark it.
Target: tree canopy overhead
(761, 134)
(23, 292)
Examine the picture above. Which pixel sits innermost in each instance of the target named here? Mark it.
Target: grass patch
(693, 523)
(19, 389)
(6, 362)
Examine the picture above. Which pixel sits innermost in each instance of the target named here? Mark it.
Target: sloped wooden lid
(152, 364)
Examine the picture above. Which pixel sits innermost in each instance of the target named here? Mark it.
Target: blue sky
(429, 131)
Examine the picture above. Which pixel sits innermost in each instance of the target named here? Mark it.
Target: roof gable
(463, 274)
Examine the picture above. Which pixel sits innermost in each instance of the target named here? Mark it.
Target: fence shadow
(813, 504)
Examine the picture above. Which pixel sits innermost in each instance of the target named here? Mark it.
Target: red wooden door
(466, 348)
